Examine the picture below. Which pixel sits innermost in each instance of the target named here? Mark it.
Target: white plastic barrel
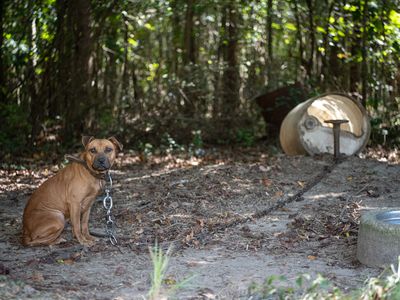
(303, 131)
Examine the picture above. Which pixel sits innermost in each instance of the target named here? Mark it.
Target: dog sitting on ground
(69, 194)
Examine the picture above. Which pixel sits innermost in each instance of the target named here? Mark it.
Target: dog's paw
(89, 243)
(90, 238)
(86, 243)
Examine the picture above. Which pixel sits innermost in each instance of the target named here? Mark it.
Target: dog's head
(100, 154)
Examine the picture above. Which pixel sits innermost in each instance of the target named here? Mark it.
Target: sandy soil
(212, 210)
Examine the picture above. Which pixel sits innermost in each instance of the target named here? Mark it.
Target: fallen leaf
(68, 261)
(312, 257)
(200, 222)
(267, 182)
(265, 169)
(119, 271)
(277, 234)
(301, 183)
(169, 281)
(37, 277)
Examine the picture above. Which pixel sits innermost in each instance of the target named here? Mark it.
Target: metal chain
(108, 204)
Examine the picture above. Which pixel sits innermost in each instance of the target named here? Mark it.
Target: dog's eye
(108, 150)
(92, 150)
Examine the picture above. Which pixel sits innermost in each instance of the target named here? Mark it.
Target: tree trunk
(176, 37)
(189, 96)
(364, 66)
(80, 14)
(356, 45)
(269, 39)
(231, 74)
(3, 79)
(188, 37)
(216, 107)
(325, 71)
(309, 65)
(36, 104)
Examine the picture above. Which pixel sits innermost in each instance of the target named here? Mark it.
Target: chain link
(108, 204)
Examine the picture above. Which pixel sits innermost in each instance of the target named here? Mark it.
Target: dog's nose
(101, 163)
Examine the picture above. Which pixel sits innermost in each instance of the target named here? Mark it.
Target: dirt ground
(233, 217)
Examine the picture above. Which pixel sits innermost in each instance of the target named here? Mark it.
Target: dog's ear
(86, 139)
(116, 143)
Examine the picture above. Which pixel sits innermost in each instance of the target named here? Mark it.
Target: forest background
(184, 72)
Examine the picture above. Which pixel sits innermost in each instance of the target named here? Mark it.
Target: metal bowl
(389, 217)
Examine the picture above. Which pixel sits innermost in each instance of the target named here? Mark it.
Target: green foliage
(197, 140)
(196, 146)
(15, 128)
(245, 137)
(146, 150)
(160, 264)
(384, 287)
(278, 287)
(160, 62)
(106, 120)
(160, 260)
(169, 145)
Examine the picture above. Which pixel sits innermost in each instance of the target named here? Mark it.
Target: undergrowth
(384, 287)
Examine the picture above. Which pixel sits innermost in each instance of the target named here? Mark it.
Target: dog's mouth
(100, 168)
(101, 164)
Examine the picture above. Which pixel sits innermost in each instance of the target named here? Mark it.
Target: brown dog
(69, 194)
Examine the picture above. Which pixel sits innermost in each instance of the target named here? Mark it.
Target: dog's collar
(79, 160)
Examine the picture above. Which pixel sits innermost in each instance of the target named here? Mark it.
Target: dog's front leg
(85, 225)
(75, 215)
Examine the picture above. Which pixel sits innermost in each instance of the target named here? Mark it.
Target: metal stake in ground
(336, 135)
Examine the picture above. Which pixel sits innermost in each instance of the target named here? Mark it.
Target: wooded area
(150, 70)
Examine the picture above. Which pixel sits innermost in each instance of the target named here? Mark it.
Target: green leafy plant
(245, 137)
(160, 262)
(169, 145)
(196, 146)
(146, 150)
(197, 140)
(384, 287)
(15, 128)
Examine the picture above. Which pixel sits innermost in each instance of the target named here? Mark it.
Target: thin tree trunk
(355, 73)
(36, 105)
(299, 36)
(216, 110)
(325, 71)
(231, 74)
(189, 57)
(309, 66)
(188, 37)
(269, 39)
(124, 99)
(364, 66)
(3, 79)
(176, 37)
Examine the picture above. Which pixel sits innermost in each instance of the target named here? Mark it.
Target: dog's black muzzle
(101, 163)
